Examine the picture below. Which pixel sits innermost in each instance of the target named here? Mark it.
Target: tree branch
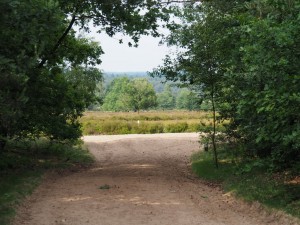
(74, 18)
(63, 36)
(180, 1)
(59, 42)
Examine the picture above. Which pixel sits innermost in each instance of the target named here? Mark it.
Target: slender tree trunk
(213, 137)
(3, 136)
(2, 145)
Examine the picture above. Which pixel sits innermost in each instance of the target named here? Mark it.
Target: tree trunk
(2, 145)
(213, 137)
(2, 142)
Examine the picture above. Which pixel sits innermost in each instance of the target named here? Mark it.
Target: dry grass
(148, 115)
(146, 122)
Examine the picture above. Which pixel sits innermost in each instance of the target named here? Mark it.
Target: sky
(122, 58)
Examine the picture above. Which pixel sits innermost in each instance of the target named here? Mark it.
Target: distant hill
(128, 74)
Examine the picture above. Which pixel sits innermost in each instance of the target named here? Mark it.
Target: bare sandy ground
(148, 181)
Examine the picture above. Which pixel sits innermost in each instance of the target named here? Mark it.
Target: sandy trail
(149, 183)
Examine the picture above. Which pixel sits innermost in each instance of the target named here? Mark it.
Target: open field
(146, 122)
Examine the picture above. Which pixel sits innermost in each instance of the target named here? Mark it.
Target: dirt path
(149, 182)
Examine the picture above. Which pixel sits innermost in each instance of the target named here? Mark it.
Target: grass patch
(280, 191)
(204, 167)
(14, 186)
(22, 165)
(94, 123)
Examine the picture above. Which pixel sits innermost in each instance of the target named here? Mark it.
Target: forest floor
(137, 180)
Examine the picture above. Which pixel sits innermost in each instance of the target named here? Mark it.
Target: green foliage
(188, 100)
(243, 56)
(145, 89)
(13, 188)
(119, 16)
(158, 83)
(204, 167)
(104, 187)
(56, 103)
(41, 154)
(146, 122)
(40, 90)
(42, 60)
(177, 128)
(22, 166)
(251, 181)
(206, 105)
(267, 83)
(143, 94)
(118, 96)
(166, 99)
(124, 95)
(199, 65)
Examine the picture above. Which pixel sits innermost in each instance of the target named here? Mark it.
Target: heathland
(148, 122)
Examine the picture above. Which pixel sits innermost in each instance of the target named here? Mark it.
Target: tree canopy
(48, 73)
(244, 56)
(187, 99)
(166, 99)
(143, 94)
(129, 95)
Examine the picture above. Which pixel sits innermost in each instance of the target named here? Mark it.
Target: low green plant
(14, 186)
(251, 180)
(105, 187)
(204, 167)
(176, 128)
(23, 163)
(155, 128)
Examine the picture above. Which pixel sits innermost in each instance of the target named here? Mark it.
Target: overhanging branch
(59, 42)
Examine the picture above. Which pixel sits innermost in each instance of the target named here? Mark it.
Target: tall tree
(269, 92)
(118, 97)
(200, 64)
(29, 93)
(187, 99)
(39, 48)
(244, 55)
(129, 95)
(166, 99)
(143, 94)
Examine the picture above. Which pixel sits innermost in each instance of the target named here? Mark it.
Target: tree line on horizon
(140, 92)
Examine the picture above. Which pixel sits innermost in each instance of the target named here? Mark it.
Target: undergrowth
(251, 180)
(23, 163)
